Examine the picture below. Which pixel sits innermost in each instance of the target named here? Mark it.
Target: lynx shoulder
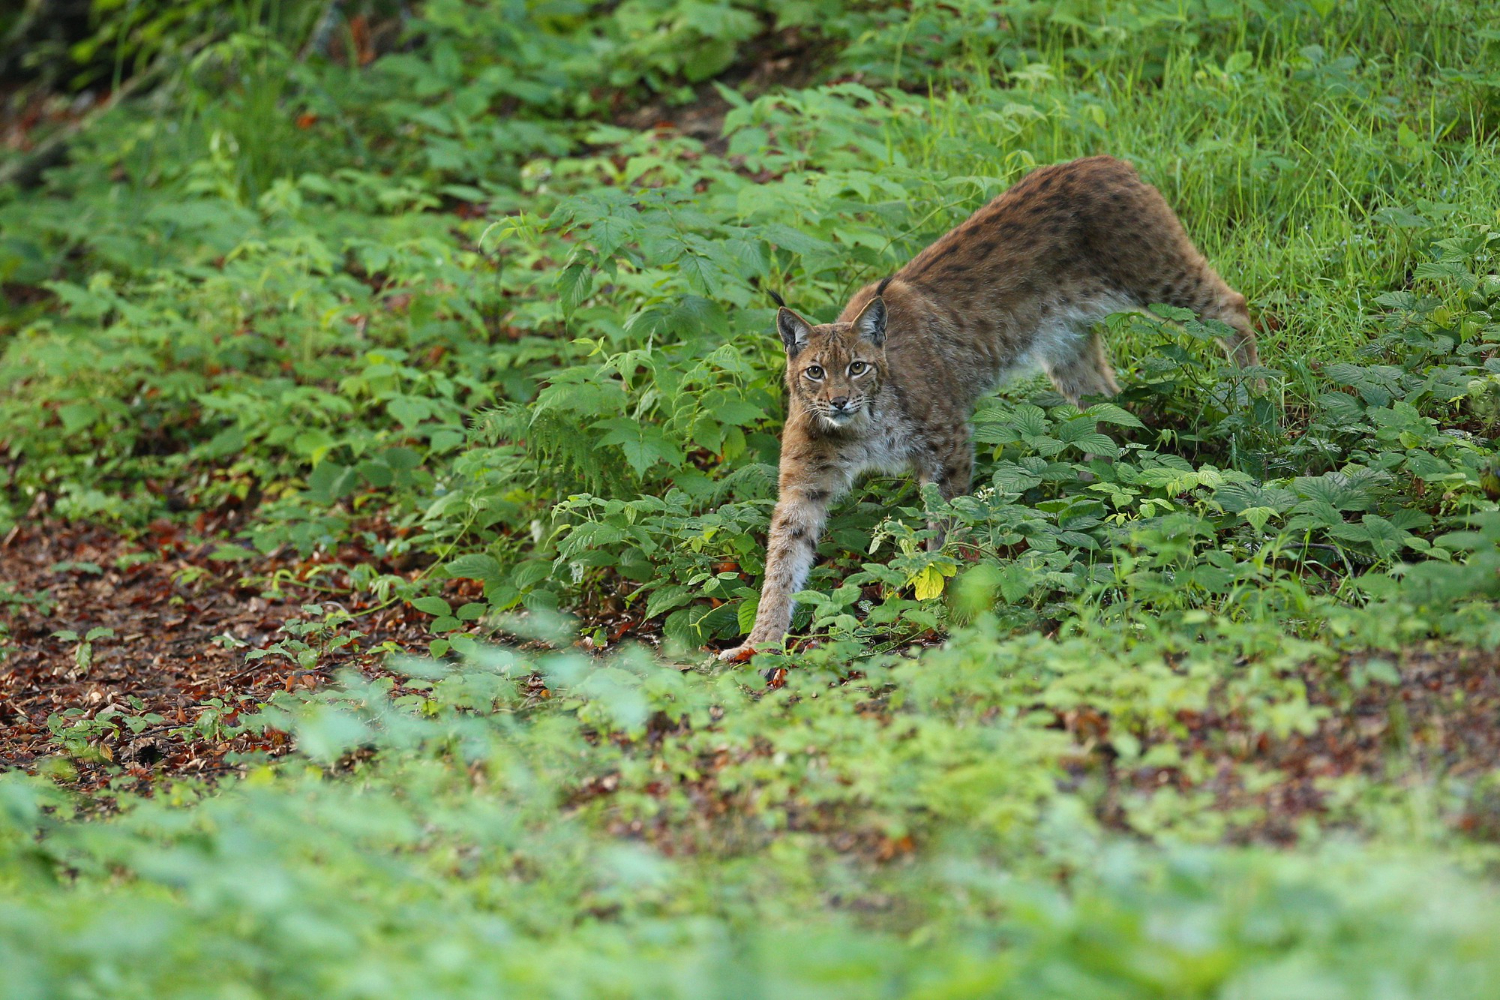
(891, 384)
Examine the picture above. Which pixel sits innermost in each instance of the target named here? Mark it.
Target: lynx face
(835, 369)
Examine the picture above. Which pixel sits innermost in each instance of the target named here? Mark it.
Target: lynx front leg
(791, 547)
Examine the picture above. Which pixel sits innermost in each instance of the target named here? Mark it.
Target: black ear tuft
(880, 289)
(794, 330)
(870, 323)
(780, 302)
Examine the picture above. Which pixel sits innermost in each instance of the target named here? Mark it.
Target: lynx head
(835, 369)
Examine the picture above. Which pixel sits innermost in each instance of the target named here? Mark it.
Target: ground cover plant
(388, 404)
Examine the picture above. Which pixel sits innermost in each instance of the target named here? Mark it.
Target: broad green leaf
(432, 606)
(475, 566)
(1258, 516)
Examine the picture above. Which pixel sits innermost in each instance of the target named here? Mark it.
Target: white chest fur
(885, 447)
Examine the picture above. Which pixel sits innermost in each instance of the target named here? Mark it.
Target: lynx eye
(858, 368)
(815, 371)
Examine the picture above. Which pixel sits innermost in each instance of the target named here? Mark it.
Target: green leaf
(1095, 443)
(76, 417)
(1258, 516)
(330, 481)
(409, 410)
(738, 412)
(475, 566)
(1012, 478)
(995, 433)
(432, 606)
(693, 315)
(1030, 420)
(794, 240)
(745, 614)
(702, 274)
(1111, 413)
(574, 283)
(1016, 581)
(609, 232)
(324, 732)
(644, 445)
(666, 598)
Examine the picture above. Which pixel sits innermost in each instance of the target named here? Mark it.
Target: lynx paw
(738, 654)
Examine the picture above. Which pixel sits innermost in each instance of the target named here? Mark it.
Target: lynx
(890, 385)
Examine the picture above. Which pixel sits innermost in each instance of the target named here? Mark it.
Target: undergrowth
(444, 301)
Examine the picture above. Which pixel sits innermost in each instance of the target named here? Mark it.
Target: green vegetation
(448, 306)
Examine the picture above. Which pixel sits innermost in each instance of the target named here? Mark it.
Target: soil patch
(180, 625)
(1437, 724)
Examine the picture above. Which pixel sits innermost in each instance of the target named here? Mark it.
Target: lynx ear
(870, 323)
(794, 330)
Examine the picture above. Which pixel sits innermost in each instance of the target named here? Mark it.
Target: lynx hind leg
(1082, 369)
(951, 467)
(1186, 280)
(1226, 305)
(1166, 267)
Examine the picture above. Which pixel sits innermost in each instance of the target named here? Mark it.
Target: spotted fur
(891, 384)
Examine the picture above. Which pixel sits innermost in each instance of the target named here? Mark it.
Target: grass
(1205, 721)
(1300, 171)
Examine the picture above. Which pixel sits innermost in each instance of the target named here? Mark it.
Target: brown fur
(1019, 283)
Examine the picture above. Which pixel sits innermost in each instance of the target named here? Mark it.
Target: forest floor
(179, 622)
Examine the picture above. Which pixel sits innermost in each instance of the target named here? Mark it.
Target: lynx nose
(839, 402)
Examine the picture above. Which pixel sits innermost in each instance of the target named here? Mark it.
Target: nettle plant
(310, 640)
